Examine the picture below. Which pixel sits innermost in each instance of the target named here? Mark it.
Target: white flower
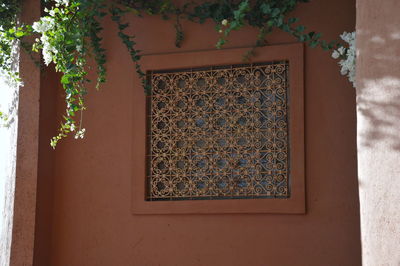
(350, 58)
(48, 50)
(224, 22)
(341, 50)
(52, 13)
(44, 39)
(37, 26)
(348, 63)
(72, 127)
(344, 36)
(47, 57)
(62, 2)
(80, 134)
(343, 71)
(335, 54)
(48, 22)
(45, 24)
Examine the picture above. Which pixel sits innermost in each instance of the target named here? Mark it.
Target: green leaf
(300, 28)
(65, 79)
(317, 36)
(313, 44)
(275, 12)
(286, 28)
(265, 8)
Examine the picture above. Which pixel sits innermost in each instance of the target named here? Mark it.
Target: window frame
(295, 204)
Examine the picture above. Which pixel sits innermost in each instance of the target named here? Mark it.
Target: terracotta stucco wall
(91, 220)
(23, 224)
(378, 127)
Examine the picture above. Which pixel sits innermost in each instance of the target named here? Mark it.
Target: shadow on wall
(380, 122)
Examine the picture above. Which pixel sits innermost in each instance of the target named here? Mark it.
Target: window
(218, 133)
(220, 136)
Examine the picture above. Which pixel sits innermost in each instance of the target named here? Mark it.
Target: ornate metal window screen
(218, 133)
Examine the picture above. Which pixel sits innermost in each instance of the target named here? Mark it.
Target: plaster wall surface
(23, 224)
(8, 150)
(378, 127)
(91, 220)
(17, 155)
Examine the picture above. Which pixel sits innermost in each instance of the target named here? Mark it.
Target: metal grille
(219, 133)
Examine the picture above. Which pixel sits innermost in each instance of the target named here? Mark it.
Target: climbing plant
(69, 32)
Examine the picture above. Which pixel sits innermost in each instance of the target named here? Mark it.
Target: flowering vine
(347, 56)
(69, 33)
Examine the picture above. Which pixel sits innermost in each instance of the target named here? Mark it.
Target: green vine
(128, 41)
(69, 33)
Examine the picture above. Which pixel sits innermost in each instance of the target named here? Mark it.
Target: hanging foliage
(69, 32)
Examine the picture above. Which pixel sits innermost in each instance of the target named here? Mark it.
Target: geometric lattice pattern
(219, 133)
